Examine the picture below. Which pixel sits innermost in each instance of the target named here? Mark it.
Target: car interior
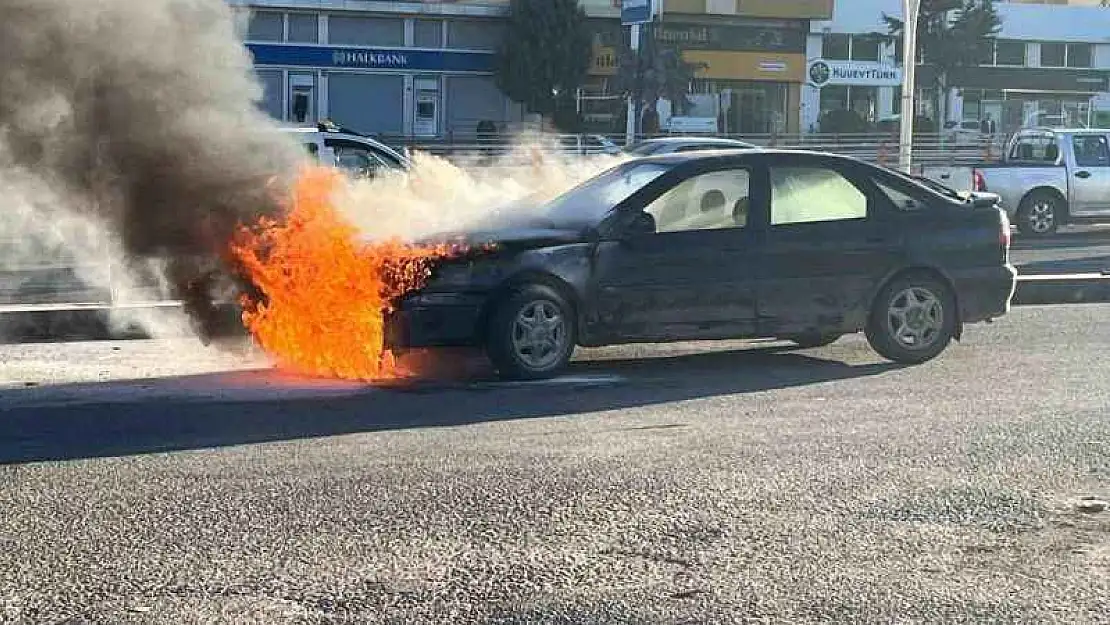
(710, 201)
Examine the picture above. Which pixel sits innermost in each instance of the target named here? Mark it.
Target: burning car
(737, 244)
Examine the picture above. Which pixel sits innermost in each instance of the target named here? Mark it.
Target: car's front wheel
(531, 334)
(913, 319)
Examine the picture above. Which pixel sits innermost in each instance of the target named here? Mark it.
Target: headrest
(712, 200)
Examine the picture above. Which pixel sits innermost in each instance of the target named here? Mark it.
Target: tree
(952, 35)
(658, 71)
(545, 55)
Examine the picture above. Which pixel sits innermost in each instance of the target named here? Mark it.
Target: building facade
(1049, 65)
(752, 53)
(412, 69)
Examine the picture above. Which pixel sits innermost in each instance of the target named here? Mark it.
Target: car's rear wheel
(531, 334)
(1039, 214)
(811, 340)
(913, 319)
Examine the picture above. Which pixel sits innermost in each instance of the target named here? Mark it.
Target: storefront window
(864, 101)
(427, 33)
(366, 31)
(1053, 54)
(837, 47)
(865, 48)
(1079, 55)
(1010, 53)
(304, 28)
(266, 26)
(474, 34)
(833, 98)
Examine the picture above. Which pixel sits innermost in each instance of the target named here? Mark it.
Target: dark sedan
(722, 245)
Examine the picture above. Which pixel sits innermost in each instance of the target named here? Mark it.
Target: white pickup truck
(1050, 177)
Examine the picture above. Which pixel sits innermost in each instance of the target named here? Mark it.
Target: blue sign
(635, 12)
(370, 58)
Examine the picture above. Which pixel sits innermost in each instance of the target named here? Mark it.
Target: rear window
(1039, 148)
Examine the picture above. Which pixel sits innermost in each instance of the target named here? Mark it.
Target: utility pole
(637, 14)
(910, 11)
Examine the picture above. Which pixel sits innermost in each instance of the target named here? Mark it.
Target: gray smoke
(130, 128)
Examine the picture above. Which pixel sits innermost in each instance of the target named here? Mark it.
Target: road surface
(733, 483)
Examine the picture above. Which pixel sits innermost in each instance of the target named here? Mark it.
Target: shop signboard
(635, 12)
(823, 73)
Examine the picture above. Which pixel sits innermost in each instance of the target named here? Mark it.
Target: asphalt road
(731, 483)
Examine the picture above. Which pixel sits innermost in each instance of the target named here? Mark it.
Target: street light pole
(910, 11)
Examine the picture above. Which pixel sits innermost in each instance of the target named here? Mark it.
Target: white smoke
(440, 196)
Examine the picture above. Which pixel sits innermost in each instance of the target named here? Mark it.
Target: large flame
(322, 293)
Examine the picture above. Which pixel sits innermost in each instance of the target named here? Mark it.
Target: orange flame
(324, 294)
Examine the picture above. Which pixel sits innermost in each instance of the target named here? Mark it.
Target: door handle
(1083, 174)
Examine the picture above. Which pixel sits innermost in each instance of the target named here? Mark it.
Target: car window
(900, 199)
(643, 149)
(696, 147)
(592, 200)
(357, 160)
(709, 201)
(1091, 151)
(1035, 148)
(312, 149)
(813, 194)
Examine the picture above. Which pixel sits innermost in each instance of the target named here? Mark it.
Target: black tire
(502, 334)
(813, 340)
(883, 335)
(1039, 214)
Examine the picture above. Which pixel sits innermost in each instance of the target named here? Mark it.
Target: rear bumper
(985, 293)
(435, 320)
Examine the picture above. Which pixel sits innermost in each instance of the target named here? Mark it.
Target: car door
(827, 245)
(694, 276)
(1089, 184)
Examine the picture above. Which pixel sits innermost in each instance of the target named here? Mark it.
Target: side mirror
(642, 224)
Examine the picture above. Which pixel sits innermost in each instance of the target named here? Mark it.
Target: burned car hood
(507, 239)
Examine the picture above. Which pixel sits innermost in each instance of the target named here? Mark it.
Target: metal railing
(929, 149)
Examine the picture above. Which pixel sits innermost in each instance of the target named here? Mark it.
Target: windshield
(644, 148)
(591, 201)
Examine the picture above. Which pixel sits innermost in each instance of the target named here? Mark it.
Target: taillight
(1004, 234)
(978, 182)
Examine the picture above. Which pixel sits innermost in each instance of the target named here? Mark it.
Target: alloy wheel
(915, 318)
(539, 334)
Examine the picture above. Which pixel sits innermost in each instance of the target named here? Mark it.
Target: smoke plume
(129, 129)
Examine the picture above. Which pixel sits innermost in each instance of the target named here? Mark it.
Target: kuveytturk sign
(823, 72)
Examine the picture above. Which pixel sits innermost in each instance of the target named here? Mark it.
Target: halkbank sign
(860, 73)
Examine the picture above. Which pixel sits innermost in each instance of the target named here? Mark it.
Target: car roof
(695, 139)
(675, 158)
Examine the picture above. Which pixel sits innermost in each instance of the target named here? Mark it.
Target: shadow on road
(116, 428)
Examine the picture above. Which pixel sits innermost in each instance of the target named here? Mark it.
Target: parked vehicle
(588, 145)
(356, 154)
(735, 244)
(1051, 177)
(670, 145)
(965, 133)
